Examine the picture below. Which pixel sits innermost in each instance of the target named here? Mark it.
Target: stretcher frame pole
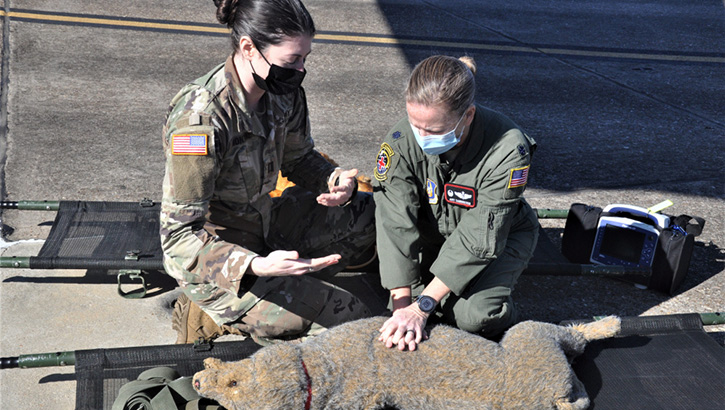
(542, 213)
(69, 358)
(548, 213)
(31, 205)
(579, 269)
(27, 361)
(22, 262)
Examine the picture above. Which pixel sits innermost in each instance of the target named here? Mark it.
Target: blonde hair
(443, 80)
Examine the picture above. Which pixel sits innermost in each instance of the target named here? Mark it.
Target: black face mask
(280, 80)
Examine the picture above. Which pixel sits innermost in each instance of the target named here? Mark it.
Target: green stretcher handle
(547, 213)
(714, 318)
(22, 262)
(31, 205)
(39, 360)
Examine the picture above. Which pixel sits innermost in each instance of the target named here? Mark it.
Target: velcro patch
(522, 150)
(430, 189)
(382, 163)
(189, 144)
(518, 177)
(460, 195)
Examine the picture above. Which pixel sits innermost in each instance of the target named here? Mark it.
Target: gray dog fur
(349, 368)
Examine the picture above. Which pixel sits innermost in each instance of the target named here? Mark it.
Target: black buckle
(202, 345)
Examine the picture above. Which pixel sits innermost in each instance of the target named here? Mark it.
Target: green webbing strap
(161, 388)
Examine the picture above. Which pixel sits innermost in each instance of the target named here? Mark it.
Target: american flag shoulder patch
(189, 144)
(518, 177)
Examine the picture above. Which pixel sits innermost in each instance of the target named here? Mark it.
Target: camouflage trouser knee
(298, 306)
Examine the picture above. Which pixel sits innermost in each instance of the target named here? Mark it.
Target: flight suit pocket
(495, 226)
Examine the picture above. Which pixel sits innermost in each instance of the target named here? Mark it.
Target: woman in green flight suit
(453, 229)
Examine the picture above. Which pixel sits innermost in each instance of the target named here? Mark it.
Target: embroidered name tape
(460, 195)
(189, 144)
(518, 177)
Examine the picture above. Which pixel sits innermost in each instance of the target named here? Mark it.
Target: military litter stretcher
(658, 362)
(124, 237)
(105, 236)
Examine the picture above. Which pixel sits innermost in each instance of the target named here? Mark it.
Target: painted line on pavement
(343, 38)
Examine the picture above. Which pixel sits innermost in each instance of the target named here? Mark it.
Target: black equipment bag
(672, 256)
(579, 232)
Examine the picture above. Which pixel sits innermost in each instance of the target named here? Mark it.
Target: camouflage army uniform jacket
(466, 209)
(222, 162)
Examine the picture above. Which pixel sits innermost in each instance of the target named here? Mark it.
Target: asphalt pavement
(625, 100)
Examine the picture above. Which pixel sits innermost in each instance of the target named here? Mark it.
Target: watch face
(426, 304)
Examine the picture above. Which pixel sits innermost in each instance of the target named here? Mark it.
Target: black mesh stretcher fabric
(658, 362)
(665, 362)
(98, 235)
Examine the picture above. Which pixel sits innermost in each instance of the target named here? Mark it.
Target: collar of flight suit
(473, 144)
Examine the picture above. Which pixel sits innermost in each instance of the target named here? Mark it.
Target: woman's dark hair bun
(225, 10)
(265, 22)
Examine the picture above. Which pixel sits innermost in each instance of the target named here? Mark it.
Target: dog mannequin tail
(601, 329)
(577, 399)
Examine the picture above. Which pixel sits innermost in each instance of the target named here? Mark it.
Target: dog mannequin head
(274, 376)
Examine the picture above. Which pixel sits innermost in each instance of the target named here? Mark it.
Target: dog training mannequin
(347, 368)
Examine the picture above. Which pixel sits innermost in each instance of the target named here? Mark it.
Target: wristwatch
(426, 303)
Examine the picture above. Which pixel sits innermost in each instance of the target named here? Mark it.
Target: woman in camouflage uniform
(452, 225)
(253, 263)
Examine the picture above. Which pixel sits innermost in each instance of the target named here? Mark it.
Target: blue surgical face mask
(438, 144)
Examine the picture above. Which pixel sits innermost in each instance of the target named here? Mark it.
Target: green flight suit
(222, 161)
(463, 220)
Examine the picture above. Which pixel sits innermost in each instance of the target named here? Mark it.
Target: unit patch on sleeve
(189, 144)
(430, 189)
(382, 163)
(460, 195)
(518, 177)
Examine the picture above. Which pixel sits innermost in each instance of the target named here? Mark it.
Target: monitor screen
(622, 243)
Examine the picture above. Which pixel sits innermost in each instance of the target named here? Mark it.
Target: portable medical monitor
(622, 240)
(625, 242)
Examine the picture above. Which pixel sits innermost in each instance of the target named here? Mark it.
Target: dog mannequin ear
(212, 363)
